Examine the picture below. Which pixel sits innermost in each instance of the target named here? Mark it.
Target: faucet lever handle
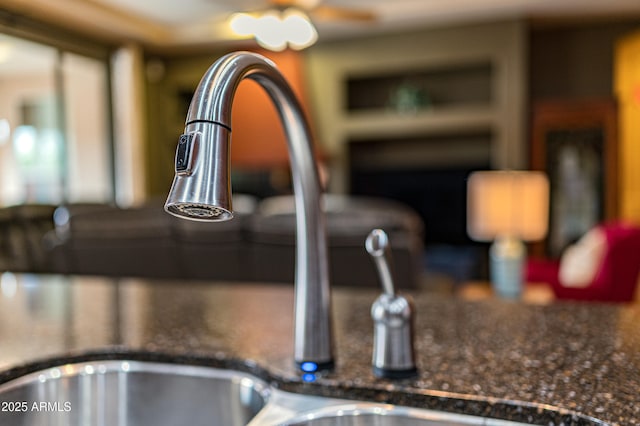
(377, 244)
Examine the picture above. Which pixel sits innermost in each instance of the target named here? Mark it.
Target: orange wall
(257, 138)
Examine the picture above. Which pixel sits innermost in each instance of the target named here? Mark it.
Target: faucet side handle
(393, 354)
(377, 244)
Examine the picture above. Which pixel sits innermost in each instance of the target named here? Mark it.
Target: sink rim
(109, 366)
(379, 409)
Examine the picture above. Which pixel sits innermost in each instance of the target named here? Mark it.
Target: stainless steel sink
(127, 393)
(134, 393)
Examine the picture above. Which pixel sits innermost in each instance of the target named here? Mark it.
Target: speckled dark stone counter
(499, 359)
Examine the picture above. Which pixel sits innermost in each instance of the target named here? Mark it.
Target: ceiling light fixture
(276, 30)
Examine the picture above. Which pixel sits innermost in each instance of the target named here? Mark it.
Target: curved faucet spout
(201, 189)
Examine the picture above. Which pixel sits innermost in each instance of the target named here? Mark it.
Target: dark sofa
(258, 245)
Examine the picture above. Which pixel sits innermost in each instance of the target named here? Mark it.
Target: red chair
(616, 277)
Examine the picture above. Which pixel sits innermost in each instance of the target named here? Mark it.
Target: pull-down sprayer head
(201, 188)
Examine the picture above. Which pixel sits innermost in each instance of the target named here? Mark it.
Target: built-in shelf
(420, 100)
(464, 150)
(409, 116)
(377, 123)
(435, 86)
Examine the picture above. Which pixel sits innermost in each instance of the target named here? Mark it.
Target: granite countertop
(497, 358)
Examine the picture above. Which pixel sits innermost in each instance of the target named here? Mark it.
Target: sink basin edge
(399, 396)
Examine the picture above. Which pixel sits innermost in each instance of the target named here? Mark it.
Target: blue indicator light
(308, 377)
(309, 367)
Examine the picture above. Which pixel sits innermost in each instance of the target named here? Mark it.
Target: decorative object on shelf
(407, 97)
(507, 207)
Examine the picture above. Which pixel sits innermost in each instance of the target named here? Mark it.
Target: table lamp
(507, 207)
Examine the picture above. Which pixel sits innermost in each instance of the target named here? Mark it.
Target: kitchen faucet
(201, 188)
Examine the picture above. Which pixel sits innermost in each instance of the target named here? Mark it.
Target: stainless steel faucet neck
(209, 120)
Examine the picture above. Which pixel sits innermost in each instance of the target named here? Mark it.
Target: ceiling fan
(288, 23)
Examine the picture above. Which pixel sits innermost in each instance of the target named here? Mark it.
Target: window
(55, 142)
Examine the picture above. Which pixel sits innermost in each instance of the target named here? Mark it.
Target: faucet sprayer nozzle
(199, 211)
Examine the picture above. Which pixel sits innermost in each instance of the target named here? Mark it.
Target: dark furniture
(617, 271)
(258, 245)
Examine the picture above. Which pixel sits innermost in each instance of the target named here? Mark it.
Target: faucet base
(386, 373)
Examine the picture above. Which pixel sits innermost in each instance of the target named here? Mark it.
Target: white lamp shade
(507, 203)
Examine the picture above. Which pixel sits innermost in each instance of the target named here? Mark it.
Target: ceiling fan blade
(302, 4)
(334, 13)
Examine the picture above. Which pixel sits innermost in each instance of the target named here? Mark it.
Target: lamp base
(506, 269)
